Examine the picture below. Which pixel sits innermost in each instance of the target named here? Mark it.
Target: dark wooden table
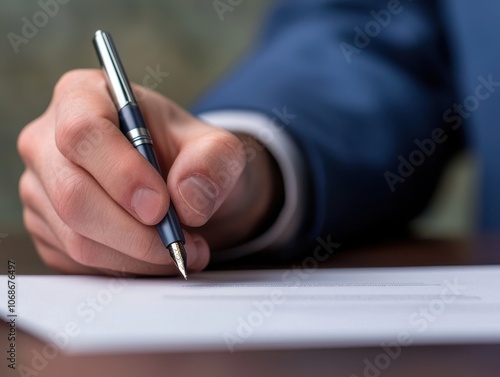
(440, 360)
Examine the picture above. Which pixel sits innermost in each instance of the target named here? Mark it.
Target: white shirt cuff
(289, 159)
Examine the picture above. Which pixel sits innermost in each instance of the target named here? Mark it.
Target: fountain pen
(134, 128)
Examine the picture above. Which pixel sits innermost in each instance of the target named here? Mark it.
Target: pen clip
(115, 74)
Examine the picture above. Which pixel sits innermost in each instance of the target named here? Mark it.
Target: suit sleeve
(361, 87)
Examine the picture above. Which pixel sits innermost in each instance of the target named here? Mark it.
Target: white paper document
(239, 310)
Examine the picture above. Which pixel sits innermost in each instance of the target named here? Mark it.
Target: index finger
(87, 134)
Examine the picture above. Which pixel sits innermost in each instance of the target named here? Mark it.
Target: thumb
(204, 173)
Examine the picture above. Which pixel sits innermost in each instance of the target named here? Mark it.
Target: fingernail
(199, 194)
(146, 204)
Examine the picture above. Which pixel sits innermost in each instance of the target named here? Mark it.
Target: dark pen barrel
(169, 228)
(133, 126)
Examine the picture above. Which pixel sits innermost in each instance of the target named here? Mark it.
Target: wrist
(264, 187)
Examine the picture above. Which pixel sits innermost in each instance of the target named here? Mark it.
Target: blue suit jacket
(382, 92)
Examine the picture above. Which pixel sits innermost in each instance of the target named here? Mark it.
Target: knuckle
(44, 250)
(25, 143)
(48, 259)
(78, 132)
(66, 81)
(73, 78)
(75, 246)
(25, 191)
(69, 198)
(29, 223)
(48, 255)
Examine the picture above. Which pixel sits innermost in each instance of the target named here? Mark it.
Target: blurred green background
(186, 38)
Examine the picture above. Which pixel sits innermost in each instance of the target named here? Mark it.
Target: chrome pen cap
(110, 61)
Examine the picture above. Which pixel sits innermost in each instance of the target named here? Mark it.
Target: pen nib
(184, 274)
(179, 256)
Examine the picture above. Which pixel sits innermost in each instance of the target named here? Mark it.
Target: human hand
(90, 199)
